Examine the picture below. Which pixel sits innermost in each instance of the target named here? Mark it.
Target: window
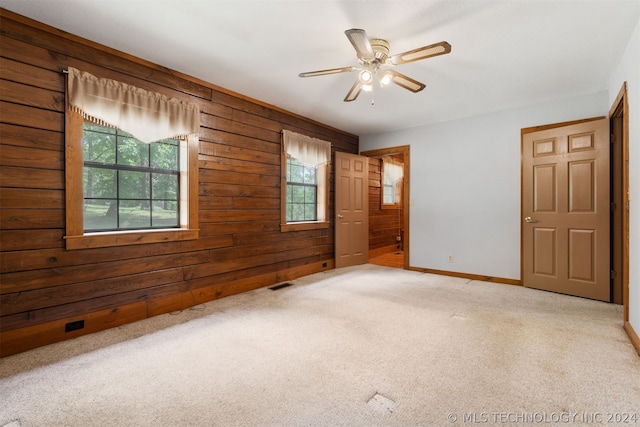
(305, 182)
(131, 174)
(127, 184)
(392, 174)
(302, 192)
(389, 191)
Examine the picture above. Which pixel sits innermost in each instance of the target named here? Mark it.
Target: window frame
(383, 204)
(303, 186)
(120, 169)
(75, 236)
(322, 204)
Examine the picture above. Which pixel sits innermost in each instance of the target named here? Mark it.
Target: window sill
(300, 226)
(124, 238)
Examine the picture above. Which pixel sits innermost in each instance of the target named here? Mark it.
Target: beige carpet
(363, 346)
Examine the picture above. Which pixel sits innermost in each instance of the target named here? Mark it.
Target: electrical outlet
(74, 326)
(450, 258)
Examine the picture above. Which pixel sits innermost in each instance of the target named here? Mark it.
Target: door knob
(340, 216)
(529, 219)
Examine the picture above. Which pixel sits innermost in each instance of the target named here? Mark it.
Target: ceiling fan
(373, 55)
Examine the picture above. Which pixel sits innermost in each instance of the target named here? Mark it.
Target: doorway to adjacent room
(389, 206)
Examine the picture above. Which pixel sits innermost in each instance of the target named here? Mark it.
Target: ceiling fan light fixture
(372, 54)
(365, 77)
(385, 78)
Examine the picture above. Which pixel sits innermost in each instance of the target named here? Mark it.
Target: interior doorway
(618, 203)
(619, 129)
(389, 206)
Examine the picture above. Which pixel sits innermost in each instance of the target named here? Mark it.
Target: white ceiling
(504, 53)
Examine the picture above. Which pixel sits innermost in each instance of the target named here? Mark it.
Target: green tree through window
(302, 192)
(127, 184)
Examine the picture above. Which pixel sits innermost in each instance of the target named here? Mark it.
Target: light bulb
(366, 76)
(386, 79)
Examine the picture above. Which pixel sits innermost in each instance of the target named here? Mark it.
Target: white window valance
(309, 151)
(393, 169)
(148, 116)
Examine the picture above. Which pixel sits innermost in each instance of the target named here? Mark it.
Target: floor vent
(280, 286)
(382, 403)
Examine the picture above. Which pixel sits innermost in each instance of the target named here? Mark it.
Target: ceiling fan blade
(353, 92)
(329, 71)
(360, 42)
(406, 82)
(421, 53)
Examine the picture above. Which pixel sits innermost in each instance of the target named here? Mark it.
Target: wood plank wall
(384, 224)
(43, 287)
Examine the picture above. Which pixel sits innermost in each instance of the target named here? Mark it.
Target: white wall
(629, 71)
(465, 181)
(465, 185)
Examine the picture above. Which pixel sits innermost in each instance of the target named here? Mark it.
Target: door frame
(405, 151)
(620, 108)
